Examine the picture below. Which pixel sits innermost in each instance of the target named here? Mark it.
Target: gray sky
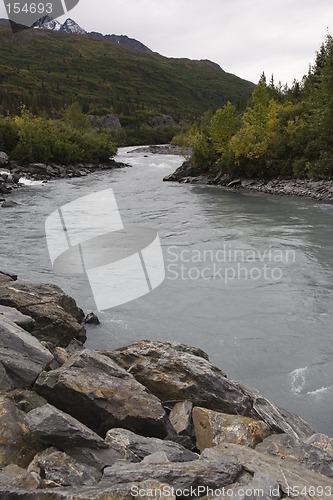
(245, 37)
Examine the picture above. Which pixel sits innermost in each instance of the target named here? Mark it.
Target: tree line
(282, 131)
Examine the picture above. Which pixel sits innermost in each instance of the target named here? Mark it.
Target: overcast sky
(245, 37)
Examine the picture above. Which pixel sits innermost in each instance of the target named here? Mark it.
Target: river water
(248, 276)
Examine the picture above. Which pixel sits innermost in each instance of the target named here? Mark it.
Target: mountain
(70, 26)
(47, 69)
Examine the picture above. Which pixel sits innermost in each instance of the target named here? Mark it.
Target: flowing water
(248, 276)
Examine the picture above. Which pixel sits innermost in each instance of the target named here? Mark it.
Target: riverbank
(13, 175)
(152, 419)
(320, 190)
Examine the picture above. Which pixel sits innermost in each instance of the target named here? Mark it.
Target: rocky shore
(11, 174)
(149, 420)
(164, 149)
(316, 189)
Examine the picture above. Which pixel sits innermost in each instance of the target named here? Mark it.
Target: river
(249, 277)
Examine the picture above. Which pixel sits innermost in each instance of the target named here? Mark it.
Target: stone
(289, 475)
(6, 384)
(212, 428)
(134, 447)
(14, 476)
(321, 441)
(63, 470)
(97, 392)
(91, 319)
(17, 444)
(181, 418)
(59, 429)
(180, 476)
(174, 372)
(22, 320)
(145, 490)
(56, 314)
(288, 447)
(22, 355)
(98, 458)
(159, 457)
(25, 400)
(261, 487)
(6, 276)
(235, 183)
(9, 204)
(4, 158)
(279, 419)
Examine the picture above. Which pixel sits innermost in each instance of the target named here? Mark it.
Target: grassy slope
(44, 69)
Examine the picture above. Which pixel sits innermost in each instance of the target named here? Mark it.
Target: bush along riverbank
(281, 143)
(153, 419)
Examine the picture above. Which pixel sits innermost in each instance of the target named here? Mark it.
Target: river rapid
(249, 277)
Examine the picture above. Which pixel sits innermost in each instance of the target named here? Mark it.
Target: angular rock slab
(181, 476)
(96, 391)
(56, 314)
(212, 428)
(22, 320)
(126, 491)
(14, 476)
(17, 444)
(22, 355)
(290, 476)
(287, 447)
(61, 469)
(181, 418)
(60, 429)
(174, 372)
(134, 447)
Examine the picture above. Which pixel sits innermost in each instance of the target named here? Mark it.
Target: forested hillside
(282, 132)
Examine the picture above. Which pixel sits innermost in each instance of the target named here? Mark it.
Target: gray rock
(289, 475)
(56, 314)
(102, 395)
(25, 400)
(279, 419)
(9, 204)
(262, 487)
(17, 444)
(14, 476)
(98, 458)
(21, 354)
(59, 429)
(4, 158)
(134, 448)
(174, 372)
(22, 320)
(159, 457)
(180, 476)
(321, 441)
(181, 418)
(63, 470)
(288, 447)
(235, 183)
(127, 491)
(91, 319)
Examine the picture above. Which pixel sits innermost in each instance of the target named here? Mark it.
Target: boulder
(6, 277)
(98, 458)
(102, 395)
(22, 355)
(14, 476)
(59, 429)
(25, 400)
(134, 448)
(174, 372)
(212, 428)
(17, 444)
(321, 441)
(291, 476)
(60, 469)
(279, 419)
(127, 491)
(91, 319)
(22, 320)
(288, 447)
(181, 476)
(181, 418)
(56, 314)
(4, 158)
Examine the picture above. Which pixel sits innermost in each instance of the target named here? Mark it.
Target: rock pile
(153, 419)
